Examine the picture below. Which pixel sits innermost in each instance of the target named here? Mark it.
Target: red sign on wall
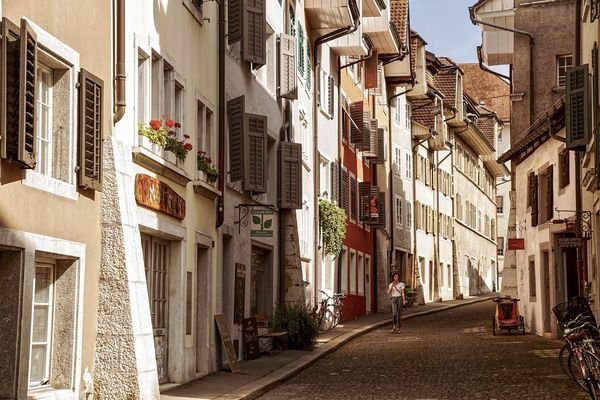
(516, 244)
(159, 196)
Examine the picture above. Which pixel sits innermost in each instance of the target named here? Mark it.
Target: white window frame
(352, 272)
(397, 160)
(324, 93)
(409, 215)
(408, 166)
(561, 67)
(45, 83)
(205, 132)
(398, 216)
(360, 270)
(345, 270)
(325, 175)
(399, 111)
(69, 59)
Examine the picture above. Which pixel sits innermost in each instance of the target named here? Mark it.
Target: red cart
(507, 315)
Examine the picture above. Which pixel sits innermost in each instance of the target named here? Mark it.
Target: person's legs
(395, 308)
(399, 313)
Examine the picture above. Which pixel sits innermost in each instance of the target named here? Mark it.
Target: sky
(446, 27)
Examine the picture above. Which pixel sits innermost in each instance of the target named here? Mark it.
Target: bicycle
(324, 316)
(338, 303)
(583, 360)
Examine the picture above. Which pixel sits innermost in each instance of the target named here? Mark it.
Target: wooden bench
(270, 337)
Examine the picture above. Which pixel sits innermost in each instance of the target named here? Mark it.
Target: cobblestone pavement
(448, 355)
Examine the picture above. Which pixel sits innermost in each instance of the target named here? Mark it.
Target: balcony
(383, 33)
(354, 44)
(326, 16)
(439, 141)
(374, 8)
(497, 46)
(419, 131)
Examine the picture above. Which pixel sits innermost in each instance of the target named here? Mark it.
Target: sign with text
(251, 344)
(157, 195)
(239, 294)
(569, 242)
(261, 223)
(516, 244)
(234, 364)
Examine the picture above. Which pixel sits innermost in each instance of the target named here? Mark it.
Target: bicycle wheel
(575, 371)
(326, 321)
(563, 360)
(337, 318)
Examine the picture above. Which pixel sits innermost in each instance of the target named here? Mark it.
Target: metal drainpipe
(391, 176)
(531, 45)
(221, 109)
(316, 160)
(120, 76)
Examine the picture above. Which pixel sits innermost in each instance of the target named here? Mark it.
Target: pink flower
(169, 123)
(187, 146)
(185, 136)
(177, 125)
(155, 124)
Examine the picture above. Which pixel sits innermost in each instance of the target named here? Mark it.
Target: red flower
(169, 123)
(208, 160)
(187, 146)
(177, 125)
(172, 133)
(155, 124)
(185, 136)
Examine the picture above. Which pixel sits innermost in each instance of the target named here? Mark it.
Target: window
(546, 195)
(398, 200)
(500, 204)
(41, 325)
(204, 132)
(326, 93)
(352, 288)
(407, 116)
(142, 89)
(344, 275)
(195, 8)
(44, 114)
(408, 166)
(361, 275)
(325, 175)
(408, 214)
(449, 275)
(500, 246)
(532, 284)
(397, 160)
(300, 50)
(564, 168)
(353, 198)
(398, 115)
(563, 62)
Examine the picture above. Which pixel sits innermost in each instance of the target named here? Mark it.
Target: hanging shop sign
(516, 244)
(261, 223)
(157, 195)
(569, 242)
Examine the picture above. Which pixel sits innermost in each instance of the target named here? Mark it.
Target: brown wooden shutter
(235, 115)
(365, 141)
(372, 152)
(330, 95)
(577, 110)
(287, 67)
(254, 28)
(377, 91)
(91, 97)
(356, 114)
(549, 194)
(371, 71)
(380, 152)
(335, 182)
(234, 21)
(27, 108)
(564, 165)
(290, 173)
(9, 90)
(344, 190)
(255, 153)
(379, 222)
(534, 200)
(353, 198)
(364, 199)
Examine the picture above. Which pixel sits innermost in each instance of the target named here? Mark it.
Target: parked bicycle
(324, 316)
(580, 356)
(338, 303)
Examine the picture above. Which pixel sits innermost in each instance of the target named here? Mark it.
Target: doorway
(545, 277)
(202, 307)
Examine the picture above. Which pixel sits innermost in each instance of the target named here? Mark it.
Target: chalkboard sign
(234, 365)
(239, 295)
(251, 344)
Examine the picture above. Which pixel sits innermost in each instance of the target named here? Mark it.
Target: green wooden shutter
(234, 21)
(235, 114)
(27, 106)
(330, 95)
(254, 27)
(300, 49)
(9, 90)
(287, 67)
(290, 174)
(356, 114)
(255, 153)
(90, 130)
(308, 67)
(335, 182)
(578, 116)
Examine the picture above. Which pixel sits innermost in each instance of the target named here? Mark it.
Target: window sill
(205, 188)
(49, 393)
(155, 163)
(51, 185)
(559, 89)
(195, 11)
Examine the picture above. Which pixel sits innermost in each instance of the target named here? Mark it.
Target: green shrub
(299, 322)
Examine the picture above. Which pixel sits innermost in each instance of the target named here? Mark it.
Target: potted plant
(163, 133)
(204, 162)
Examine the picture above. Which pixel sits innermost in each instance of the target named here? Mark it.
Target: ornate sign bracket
(581, 224)
(243, 211)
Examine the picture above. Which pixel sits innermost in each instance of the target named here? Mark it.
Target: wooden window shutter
(577, 110)
(27, 106)
(91, 97)
(330, 95)
(380, 153)
(365, 142)
(565, 172)
(364, 199)
(335, 182)
(380, 220)
(9, 90)
(373, 139)
(287, 67)
(353, 199)
(534, 201)
(255, 153)
(234, 21)
(377, 91)
(300, 49)
(254, 28)
(371, 71)
(235, 116)
(549, 193)
(308, 67)
(290, 173)
(344, 190)
(356, 114)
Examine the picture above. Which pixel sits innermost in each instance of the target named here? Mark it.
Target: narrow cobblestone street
(448, 355)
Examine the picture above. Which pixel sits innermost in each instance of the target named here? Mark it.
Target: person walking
(398, 297)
